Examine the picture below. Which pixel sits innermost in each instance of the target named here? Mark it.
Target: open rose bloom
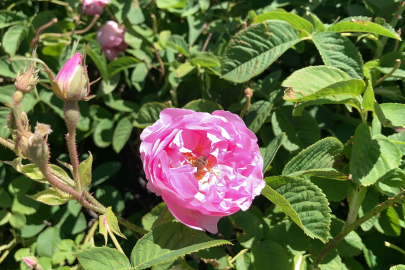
(205, 166)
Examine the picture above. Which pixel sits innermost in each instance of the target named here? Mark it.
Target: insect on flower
(200, 163)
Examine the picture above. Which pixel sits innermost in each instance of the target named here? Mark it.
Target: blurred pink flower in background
(111, 39)
(205, 166)
(93, 7)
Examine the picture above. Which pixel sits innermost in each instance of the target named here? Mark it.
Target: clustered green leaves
(327, 108)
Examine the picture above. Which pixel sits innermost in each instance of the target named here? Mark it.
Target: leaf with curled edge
(303, 202)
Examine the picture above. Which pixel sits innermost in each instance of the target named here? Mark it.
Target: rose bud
(111, 39)
(38, 148)
(27, 81)
(205, 166)
(31, 262)
(72, 80)
(93, 7)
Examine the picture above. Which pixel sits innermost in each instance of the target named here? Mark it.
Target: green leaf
(368, 97)
(5, 67)
(115, 102)
(202, 105)
(168, 242)
(300, 131)
(353, 25)
(8, 18)
(17, 220)
(149, 113)
(372, 157)
(255, 48)
(399, 140)
(104, 171)
(138, 76)
(121, 134)
(321, 155)
(164, 4)
(48, 242)
(121, 64)
(204, 59)
(303, 202)
(51, 197)
(13, 37)
(251, 226)
(338, 51)
(98, 258)
(135, 14)
(398, 267)
(85, 172)
(106, 87)
(99, 60)
(152, 216)
(184, 69)
(7, 91)
(111, 223)
(5, 199)
(334, 190)
(388, 223)
(35, 174)
(270, 255)
(4, 217)
(103, 133)
(271, 150)
(257, 114)
(195, 27)
(393, 184)
(352, 87)
(394, 114)
(296, 21)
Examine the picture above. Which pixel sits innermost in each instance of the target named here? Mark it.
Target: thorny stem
(162, 66)
(72, 113)
(82, 31)
(42, 28)
(131, 226)
(396, 66)
(91, 232)
(206, 42)
(6, 143)
(381, 207)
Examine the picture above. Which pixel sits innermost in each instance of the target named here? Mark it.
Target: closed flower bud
(38, 146)
(93, 7)
(22, 144)
(30, 262)
(72, 80)
(27, 80)
(111, 39)
(248, 92)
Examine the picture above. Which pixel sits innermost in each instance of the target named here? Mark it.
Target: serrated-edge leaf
(338, 51)
(326, 151)
(253, 49)
(271, 150)
(257, 114)
(120, 261)
(169, 234)
(296, 21)
(363, 26)
(121, 134)
(292, 204)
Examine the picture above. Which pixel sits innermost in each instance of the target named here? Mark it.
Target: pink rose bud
(93, 7)
(72, 80)
(30, 262)
(111, 39)
(205, 166)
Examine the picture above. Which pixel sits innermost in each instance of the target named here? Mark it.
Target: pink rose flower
(72, 80)
(205, 166)
(93, 7)
(111, 39)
